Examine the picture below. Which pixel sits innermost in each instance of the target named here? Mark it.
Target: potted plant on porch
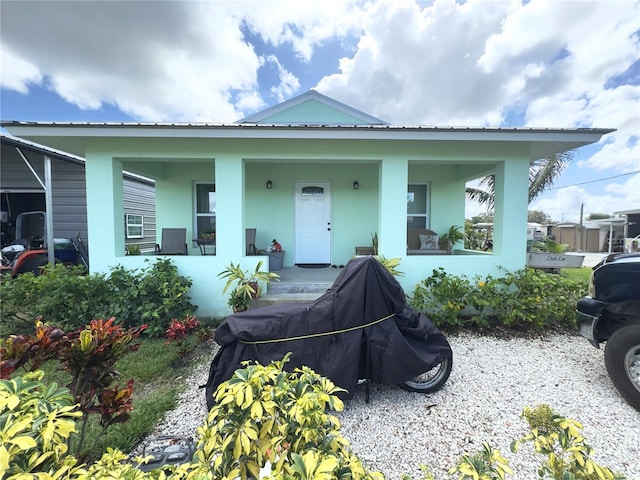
(238, 300)
(453, 236)
(246, 282)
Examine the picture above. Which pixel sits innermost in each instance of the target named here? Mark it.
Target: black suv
(611, 313)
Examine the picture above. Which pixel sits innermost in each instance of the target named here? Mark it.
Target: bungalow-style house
(315, 174)
(27, 192)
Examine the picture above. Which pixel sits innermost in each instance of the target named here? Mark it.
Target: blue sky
(540, 63)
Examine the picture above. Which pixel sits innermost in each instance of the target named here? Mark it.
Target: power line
(594, 181)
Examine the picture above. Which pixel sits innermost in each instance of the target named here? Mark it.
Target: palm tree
(542, 173)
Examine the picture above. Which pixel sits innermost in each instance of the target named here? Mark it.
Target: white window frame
(427, 207)
(197, 214)
(128, 217)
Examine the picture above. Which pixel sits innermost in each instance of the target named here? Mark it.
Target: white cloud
(542, 63)
(288, 85)
(17, 73)
(302, 25)
(154, 60)
(418, 66)
(564, 204)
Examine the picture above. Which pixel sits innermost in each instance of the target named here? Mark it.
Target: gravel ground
(491, 382)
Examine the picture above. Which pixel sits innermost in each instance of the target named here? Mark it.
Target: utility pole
(580, 231)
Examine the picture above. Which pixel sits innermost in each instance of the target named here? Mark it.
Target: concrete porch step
(284, 298)
(279, 288)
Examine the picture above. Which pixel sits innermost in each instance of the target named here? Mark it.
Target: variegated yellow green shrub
(35, 422)
(269, 422)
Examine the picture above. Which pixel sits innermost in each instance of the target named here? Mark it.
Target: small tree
(89, 355)
(537, 216)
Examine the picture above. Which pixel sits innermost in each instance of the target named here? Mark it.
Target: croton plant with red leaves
(88, 354)
(179, 330)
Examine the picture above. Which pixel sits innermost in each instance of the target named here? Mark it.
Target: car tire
(622, 359)
(432, 380)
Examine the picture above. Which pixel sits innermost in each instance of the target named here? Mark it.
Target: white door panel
(313, 222)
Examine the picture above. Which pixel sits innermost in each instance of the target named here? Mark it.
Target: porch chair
(250, 240)
(174, 242)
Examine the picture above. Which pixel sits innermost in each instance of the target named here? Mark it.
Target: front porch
(297, 285)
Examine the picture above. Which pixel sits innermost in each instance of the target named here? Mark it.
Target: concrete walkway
(590, 259)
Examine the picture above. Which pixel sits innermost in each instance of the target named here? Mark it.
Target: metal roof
(21, 143)
(71, 136)
(262, 126)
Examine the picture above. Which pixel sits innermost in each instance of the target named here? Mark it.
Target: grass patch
(580, 275)
(154, 368)
(148, 410)
(153, 360)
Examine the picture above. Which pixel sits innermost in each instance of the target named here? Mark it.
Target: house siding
(139, 198)
(68, 192)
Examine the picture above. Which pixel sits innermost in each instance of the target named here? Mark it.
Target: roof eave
(544, 141)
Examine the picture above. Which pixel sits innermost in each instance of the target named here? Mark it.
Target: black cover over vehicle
(362, 324)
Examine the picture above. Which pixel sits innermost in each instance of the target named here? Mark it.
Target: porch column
(392, 211)
(511, 202)
(105, 210)
(229, 174)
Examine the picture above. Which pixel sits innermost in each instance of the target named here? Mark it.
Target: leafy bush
(89, 355)
(153, 295)
(36, 421)
(558, 439)
(266, 419)
(265, 416)
(524, 298)
(267, 424)
(63, 295)
(179, 331)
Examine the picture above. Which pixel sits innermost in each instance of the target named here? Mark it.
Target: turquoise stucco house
(313, 173)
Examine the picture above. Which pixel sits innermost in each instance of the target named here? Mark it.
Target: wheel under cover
(622, 358)
(432, 380)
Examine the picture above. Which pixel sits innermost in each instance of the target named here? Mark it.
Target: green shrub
(267, 424)
(526, 298)
(35, 422)
(558, 439)
(62, 295)
(266, 415)
(89, 356)
(153, 296)
(530, 297)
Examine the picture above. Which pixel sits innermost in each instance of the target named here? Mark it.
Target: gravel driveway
(491, 382)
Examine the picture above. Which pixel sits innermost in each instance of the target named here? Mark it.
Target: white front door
(313, 222)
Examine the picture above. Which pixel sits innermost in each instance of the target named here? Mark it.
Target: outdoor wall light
(269, 184)
(356, 185)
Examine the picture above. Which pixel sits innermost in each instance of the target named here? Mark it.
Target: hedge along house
(313, 173)
(29, 172)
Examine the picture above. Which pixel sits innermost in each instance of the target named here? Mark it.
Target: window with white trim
(134, 225)
(418, 205)
(205, 210)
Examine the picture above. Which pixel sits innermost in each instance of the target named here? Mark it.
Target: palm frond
(543, 172)
(483, 197)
